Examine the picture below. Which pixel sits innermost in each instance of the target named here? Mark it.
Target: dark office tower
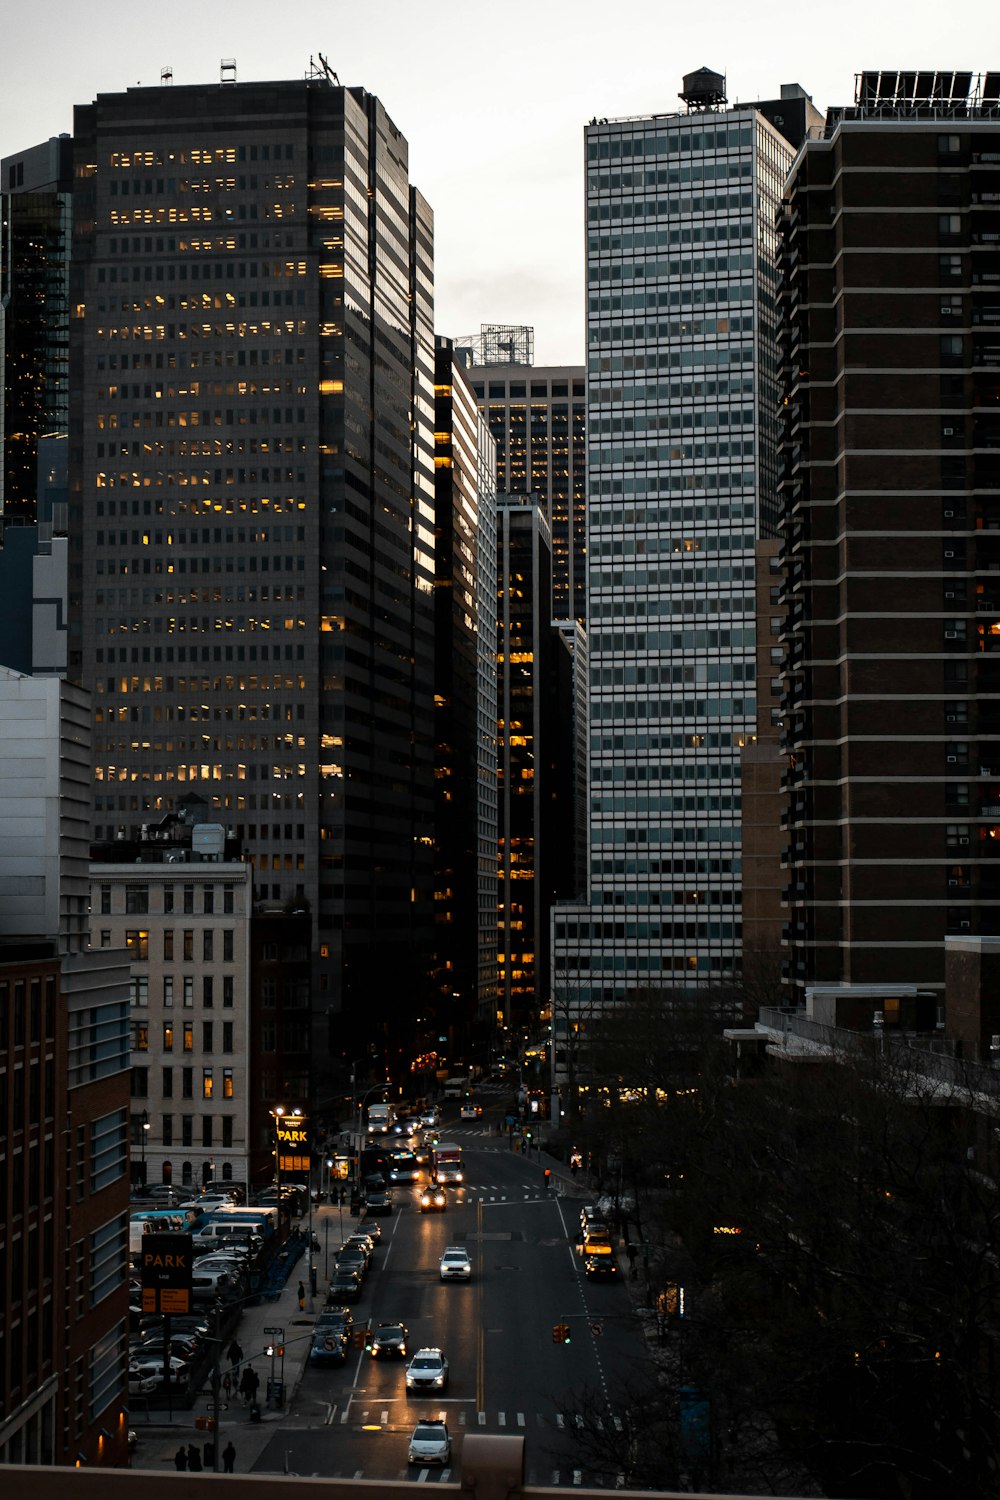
(891, 498)
(465, 697)
(538, 417)
(252, 503)
(35, 225)
(538, 792)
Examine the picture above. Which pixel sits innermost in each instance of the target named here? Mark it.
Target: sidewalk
(159, 1435)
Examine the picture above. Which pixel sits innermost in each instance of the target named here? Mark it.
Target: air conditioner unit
(952, 760)
(951, 718)
(948, 431)
(953, 881)
(949, 515)
(951, 635)
(965, 924)
(964, 839)
(949, 552)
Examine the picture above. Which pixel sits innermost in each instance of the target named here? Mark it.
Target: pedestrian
(227, 1384)
(247, 1386)
(228, 1457)
(630, 1251)
(208, 1453)
(194, 1460)
(302, 1297)
(181, 1458)
(235, 1355)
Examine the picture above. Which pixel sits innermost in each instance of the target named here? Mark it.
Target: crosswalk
(535, 1476)
(502, 1420)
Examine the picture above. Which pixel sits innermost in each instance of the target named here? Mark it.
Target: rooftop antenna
(331, 75)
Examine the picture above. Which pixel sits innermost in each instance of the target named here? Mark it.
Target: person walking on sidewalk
(194, 1459)
(235, 1355)
(181, 1459)
(302, 1297)
(249, 1383)
(228, 1457)
(630, 1251)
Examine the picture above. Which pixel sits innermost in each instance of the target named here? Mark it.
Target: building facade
(537, 416)
(682, 458)
(465, 819)
(184, 919)
(891, 502)
(251, 505)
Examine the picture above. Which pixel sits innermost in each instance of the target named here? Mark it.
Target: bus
(446, 1163)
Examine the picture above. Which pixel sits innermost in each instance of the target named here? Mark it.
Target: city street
(506, 1373)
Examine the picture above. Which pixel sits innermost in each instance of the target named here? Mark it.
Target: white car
(470, 1112)
(427, 1371)
(141, 1385)
(430, 1443)
(455, 1264)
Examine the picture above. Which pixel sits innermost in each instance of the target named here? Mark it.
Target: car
(351, 1258)
(388, 1341)
(141, 1385)
(600, 1268)
(592, 1218)
(430, 1118)
(363, 1243)
(372, 1228)
(455, 1264)
(433, 1199)
(151, 1366)
(378, 1202)
(345, 1285)
(470, 1112)
(334, 1312)
(430, 1443)
(595, 1242)
(329, 1345)
(427, 1371)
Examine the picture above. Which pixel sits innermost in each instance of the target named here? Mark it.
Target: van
(262, 1220)
(136, 1229)
(213, 1235)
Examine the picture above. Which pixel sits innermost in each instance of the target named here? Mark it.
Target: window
(227, 1083)
(949, 143)
(206, 1036)
(208, 899)
(227, 1036)
(108, 1258)
(188, 991)
(227, 1130)
(227, 945)
(188, 1036)
(168, 989)
(105, 937)
(140, 1083)
(207, 944)
(108, 1149)
(187, 1084)
(168, 944)
(168, 1036)
(227, 899)
(188, 900)
(950, 267)
(107, 1357)
(188, 944)
(138, 942)
(206, 1130)
(168, 898)
(136, 899)
(168, 1089)
(227, 991)
(139, 989)
(206, 1083)
(105, 901)
(140, 1036)
(269, 1037)
(207, 991)
(168, 1130)
(187, 1137)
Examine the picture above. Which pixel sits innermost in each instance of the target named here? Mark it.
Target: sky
(492, 98)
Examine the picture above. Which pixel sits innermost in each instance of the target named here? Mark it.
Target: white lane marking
(385, 1416)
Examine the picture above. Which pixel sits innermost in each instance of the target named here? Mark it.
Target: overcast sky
(492, 98)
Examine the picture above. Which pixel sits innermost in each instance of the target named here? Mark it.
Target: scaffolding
(499, 344)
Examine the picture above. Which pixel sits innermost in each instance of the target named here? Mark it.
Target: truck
(446, 1163)
(457, 1087)
(381, 1118)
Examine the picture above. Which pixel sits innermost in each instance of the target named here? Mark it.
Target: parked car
(345, 1285)
(141, 1385)
(427, 1371)
(430, 1443)
(350, 1258)
(151, 1366)
(329, 1344)
(372, 1228)
(600, 1268)
(455, 1264)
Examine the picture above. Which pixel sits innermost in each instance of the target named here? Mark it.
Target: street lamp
(145, 1131)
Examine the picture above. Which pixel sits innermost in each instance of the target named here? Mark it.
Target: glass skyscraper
(682, 402)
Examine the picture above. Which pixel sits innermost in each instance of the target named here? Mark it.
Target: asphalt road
(506, 1373)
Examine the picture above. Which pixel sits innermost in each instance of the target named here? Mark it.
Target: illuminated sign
(293, 1143)
(166, 1262)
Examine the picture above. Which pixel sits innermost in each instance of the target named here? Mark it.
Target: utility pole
(216, 1388)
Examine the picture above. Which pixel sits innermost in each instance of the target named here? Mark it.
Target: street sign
(597, 1328)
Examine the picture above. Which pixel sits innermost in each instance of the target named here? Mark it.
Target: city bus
(446, 1163)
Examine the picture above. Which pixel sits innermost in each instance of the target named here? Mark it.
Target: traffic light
(360, 1337)
(281, 1351)
(560, 1333)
